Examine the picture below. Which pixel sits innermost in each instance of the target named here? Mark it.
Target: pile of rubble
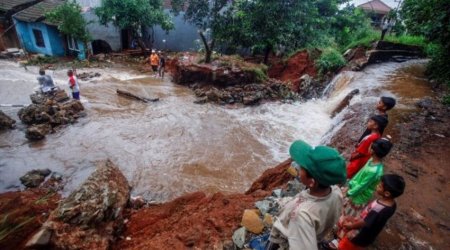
(49, 112)
(11, 52)
(257, 223)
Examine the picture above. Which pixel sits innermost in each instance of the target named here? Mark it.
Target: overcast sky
(392, 3)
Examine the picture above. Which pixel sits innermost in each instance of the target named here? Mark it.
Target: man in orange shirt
(154, 61)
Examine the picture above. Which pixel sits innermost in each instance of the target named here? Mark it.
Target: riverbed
(173, 146)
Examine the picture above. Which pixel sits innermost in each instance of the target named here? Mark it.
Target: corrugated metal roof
(37, 11)
(376, 6)
(6, 5)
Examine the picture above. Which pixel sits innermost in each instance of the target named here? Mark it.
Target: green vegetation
(134, 15)
(210, 18)
(260, 73)
(70, 21)
(330, 60)
(408, 40)
(430, 18)
(365, 41)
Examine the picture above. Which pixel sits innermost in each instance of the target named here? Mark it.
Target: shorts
(76, 95)
(154, 68)
(346, 244)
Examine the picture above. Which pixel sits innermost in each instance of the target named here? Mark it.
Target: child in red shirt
(361, 155)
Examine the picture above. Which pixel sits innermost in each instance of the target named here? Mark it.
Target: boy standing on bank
(311, 214)
(364, 230)
(384, 104)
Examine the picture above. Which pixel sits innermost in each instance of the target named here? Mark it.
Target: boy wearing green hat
(311, 214)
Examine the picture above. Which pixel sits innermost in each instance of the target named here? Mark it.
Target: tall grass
(407, 39)
(330, 60)
(363, 40)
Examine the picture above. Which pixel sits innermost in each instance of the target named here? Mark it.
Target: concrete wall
(109, 33)
(53, 40)
(182, 38)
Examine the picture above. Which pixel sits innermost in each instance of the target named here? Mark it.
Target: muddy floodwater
(174, 146)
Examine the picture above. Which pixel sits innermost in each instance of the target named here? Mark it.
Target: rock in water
(6, 121)
(34, 177)
(89, 216)
(344, 103)
(38, 132)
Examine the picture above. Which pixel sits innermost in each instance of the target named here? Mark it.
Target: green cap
(323, 163)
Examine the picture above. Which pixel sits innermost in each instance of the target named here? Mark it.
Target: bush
(438, 67)
(446, 100)
(330, 60)
(260, 72)
(363, 39)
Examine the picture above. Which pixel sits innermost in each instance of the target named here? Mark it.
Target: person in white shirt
(311, 214)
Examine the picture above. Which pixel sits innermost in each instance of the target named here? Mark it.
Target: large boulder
(38, 132)
(43, 117)
(6, 121)
(33, 114)
(90, 216)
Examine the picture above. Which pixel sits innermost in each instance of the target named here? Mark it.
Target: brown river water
(174, 146)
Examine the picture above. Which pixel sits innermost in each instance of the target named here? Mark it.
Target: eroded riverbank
(172, 146)
(204, 221)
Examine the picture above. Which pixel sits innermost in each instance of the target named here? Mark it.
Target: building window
(39, 38)
(72, 43)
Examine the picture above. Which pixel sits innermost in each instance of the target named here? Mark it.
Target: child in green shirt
(362, 186)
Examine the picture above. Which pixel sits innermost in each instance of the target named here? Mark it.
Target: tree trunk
(141, 44)
(134, 96)
(267, 51)
(208, 47)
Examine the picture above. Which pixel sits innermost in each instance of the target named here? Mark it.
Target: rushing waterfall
(172, 146)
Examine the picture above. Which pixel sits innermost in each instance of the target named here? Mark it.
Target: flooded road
(172, 146)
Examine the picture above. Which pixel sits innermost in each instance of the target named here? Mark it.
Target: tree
(209, 17)
(134, 15)
(431, 18)
(291, 24)
(70, 21)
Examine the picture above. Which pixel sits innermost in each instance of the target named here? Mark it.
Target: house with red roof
(377, 10)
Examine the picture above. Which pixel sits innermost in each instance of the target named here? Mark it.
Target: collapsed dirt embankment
(230, 80)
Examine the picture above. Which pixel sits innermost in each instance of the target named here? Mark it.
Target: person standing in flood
(154, 62)
(162, 65)
(73, 84)
(45, 81)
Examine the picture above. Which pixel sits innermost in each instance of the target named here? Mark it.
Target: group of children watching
(339, 196)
